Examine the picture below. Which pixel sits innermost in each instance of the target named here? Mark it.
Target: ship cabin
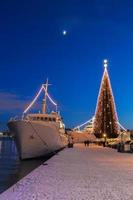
(53, 117)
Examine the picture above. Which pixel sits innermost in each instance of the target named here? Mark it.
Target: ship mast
(44, 105)
(45, 88)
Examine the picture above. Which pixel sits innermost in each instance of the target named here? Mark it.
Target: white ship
(39, 134)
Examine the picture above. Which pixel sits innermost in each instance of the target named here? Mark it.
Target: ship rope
(38, 134)
(45, 144)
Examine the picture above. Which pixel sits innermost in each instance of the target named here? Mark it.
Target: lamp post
(105, 139)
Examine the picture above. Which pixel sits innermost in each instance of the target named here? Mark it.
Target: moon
(64, 32)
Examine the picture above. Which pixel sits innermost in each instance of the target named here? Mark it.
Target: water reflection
(11, 168)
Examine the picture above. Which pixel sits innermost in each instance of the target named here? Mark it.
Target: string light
(121, 126)
(92, 119)
(36, 97)
(51, 100)
(34, 100)
(79, 126)
(105, 62)
(106, 74)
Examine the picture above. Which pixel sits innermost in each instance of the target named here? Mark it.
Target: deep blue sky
(33, 48)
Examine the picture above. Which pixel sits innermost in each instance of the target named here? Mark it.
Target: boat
(86, 133)
(38, 134)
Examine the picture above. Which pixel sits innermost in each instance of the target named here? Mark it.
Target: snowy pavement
(78, 173)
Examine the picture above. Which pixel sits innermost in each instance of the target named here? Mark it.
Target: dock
(79, 173)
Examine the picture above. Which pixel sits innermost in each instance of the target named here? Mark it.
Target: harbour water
(11, 168)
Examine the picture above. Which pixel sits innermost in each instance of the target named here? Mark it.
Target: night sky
(32, 48)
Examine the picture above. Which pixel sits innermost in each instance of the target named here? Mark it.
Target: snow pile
(79, 173)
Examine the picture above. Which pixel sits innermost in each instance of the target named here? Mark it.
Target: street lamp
(105, 138)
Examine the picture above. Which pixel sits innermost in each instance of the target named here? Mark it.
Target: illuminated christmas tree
(106, 119)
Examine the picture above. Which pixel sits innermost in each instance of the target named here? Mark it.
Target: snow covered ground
(78, 173)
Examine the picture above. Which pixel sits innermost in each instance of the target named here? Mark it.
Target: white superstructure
(40, 133)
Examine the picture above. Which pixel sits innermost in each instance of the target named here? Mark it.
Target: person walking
(88, 142)
(85, 143)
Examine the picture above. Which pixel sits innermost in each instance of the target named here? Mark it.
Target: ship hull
(34, 139)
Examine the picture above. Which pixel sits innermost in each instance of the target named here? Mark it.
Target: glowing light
(88, 121)
(104, 135)
(34, 100)
(36, 97)
(105, 65)
(105, 61)
(105, 74)
(51, 100)
(64, 32)
(122, 127)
